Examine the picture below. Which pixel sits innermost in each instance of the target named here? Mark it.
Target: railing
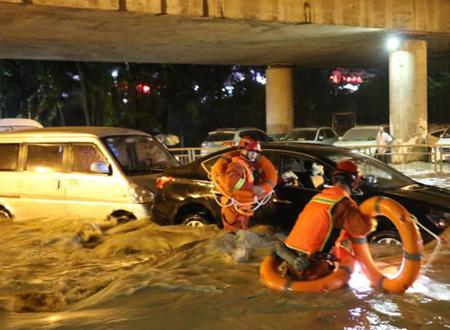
(402, 156)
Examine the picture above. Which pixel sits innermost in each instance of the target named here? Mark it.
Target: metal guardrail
(399, 154)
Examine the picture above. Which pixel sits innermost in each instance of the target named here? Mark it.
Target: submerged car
(321, 135)
(89, 172)
(186, 195)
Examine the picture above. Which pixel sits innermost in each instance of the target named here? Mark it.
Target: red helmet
(249, 144)
(347, 167)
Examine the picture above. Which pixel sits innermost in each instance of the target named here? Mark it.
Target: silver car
(228, 137)
(322, 135)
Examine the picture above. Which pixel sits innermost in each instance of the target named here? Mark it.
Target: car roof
(310, 128)
(234, 130)
(98, 131)
(315, 150)
(19, 122)
(368, 126)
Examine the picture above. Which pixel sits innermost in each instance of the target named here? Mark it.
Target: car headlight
(440, 218)
(141, 195)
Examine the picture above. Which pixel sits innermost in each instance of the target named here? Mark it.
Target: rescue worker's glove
(374, 224)
(300, 263)
(258, 191)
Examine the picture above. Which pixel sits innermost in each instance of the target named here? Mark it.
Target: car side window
(9, 155)
(45, 158)
(324, 134)
(309, 173)
(83, 156)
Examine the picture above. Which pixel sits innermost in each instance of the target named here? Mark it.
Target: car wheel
(386, 237)
(195, 220)
(4, 215)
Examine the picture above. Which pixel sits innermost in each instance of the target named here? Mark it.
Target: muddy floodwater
(142, 276)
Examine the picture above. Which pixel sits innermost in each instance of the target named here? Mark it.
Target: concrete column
(279, 100)
(408, 112)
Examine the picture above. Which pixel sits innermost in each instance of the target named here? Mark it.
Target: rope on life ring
(405, 224)
(272, 279)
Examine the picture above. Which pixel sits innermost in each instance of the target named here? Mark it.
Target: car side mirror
(101, 167)
(340, 138)
(321, 137)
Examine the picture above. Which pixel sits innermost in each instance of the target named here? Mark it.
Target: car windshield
(375, 173)
(446, 135)
(301, 135)
(361, 134)
(219, 136)
(139, 154)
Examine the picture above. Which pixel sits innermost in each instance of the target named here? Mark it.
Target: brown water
(142, 276)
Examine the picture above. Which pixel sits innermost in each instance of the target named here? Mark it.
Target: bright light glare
(115, 73)
(42, 169)
(393, 43)
(358, 280)
(260, 79)
(125, 101)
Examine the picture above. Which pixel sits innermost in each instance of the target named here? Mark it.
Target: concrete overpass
(276, 33)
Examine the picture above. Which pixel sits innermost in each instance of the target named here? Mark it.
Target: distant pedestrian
(383, 142)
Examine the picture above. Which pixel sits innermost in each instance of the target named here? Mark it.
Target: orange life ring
(412, 246)
(336, 280)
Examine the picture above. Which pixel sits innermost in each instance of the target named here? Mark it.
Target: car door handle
(281, 201)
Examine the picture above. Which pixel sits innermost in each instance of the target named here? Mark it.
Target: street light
(393, 43)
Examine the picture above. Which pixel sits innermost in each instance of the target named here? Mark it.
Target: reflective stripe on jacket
(314, 230)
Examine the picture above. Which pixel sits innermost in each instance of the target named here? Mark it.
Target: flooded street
(140, 276)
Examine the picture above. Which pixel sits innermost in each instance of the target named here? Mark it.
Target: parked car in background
(186, 195)
(228, 137)
(361, 138)
(12, 124)
(322, 135)
(443, 151)
(88, 172)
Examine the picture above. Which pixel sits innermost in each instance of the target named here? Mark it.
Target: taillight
(162, 180)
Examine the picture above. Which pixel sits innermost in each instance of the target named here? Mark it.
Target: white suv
(228, 137)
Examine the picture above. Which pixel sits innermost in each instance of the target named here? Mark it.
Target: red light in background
(143, 88)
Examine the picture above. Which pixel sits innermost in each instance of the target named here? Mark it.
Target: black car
(185, 195)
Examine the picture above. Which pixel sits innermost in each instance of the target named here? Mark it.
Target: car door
(10, 177)
(41, 191)
(293, 194)
(89, 194)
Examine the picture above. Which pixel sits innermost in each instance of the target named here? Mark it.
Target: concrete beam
(247, 32)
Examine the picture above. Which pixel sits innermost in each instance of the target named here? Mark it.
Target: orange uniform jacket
(228, 174)
(320, 223)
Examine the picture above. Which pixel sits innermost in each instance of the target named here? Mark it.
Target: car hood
(422, 194)
(147, 180)
(358, 143)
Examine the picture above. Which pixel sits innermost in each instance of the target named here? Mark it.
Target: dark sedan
(185, 195)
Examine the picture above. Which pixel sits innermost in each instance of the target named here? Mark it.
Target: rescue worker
(323, 223)
(242, 174)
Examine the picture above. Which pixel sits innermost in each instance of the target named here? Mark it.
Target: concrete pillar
(279, 100)
(408, 112)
